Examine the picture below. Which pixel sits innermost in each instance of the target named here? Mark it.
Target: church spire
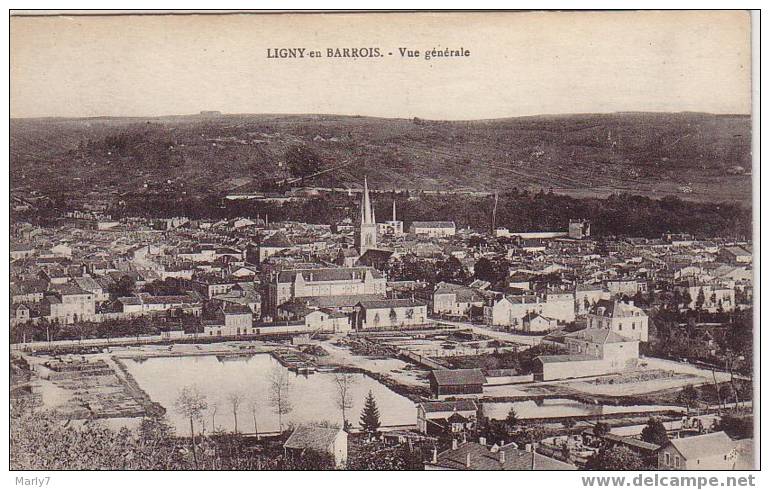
(367, 213)
(366, 238)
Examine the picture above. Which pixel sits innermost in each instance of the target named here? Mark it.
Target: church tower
(366, 235)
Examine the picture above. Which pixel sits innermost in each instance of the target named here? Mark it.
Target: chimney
(502, 456)
(483, 441)
(468, 460)
(454, 444)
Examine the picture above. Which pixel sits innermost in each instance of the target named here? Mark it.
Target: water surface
(563, 407)
(312, 397)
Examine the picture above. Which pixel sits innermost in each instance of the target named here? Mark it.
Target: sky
(523, 63)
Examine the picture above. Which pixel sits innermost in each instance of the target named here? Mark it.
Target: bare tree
(278, 397)
(213, 410)
(254, 408)
(344, 382)
(191, 404)
(235, 399)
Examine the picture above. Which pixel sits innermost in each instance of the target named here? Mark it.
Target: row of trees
(194, 405)
(41, 440)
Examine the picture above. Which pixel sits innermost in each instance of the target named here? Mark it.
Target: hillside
(690, 155)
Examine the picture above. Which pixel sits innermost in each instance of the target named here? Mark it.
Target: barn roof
(311, 437)
(449, 406)
(455, 377)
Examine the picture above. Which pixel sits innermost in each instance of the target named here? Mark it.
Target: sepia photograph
(378, 241)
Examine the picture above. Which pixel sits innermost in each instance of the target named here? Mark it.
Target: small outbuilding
(330, 440)
(456, 382)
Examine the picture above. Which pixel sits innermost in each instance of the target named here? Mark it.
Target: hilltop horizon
(218, 113)
(695, 156)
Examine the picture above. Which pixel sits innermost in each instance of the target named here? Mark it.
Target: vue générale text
(367, 52)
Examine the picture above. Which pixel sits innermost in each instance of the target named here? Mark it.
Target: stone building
(324, 282)
(622, 318)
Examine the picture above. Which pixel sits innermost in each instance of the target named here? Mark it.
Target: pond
(312, 397)
(563, 407)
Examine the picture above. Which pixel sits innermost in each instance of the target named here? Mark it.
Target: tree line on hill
(616, 215)
(517, 210)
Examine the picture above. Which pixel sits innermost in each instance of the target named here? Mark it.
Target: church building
(366, 231)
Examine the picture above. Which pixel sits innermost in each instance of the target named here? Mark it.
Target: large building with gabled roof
(591, 352)
(324, 282)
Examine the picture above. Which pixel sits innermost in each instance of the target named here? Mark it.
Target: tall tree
(344, 382)
(278, 396)
(235, 399)
(254, 408)
(655, 432)
(688, 396)
(191, 404)
(512, 419)
(213, 408)
(601, 429)
(123, 287)
(701, 299)
(370, 415)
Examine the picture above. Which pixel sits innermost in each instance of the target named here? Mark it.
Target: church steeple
(366, 237)
(367, 212)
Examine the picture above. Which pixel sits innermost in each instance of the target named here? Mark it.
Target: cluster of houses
(311, 277)
(251, 277)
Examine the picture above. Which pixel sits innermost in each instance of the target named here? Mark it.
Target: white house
(534, 322)
(390, 313)
(328, 321)
(622, 318)
(715, 451)
(455, 299)
(510, 311)
(592, 352)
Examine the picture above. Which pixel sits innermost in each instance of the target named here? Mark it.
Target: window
(668, 459)
(676, 461)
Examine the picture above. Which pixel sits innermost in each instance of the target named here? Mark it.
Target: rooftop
(311, 437)
(598, 336)
(705, 445)
(328, 274)
(449, 406)
(616, 309)
(449, 377)
(390, 303)
(475, 456)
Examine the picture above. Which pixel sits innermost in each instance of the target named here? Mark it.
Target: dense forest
(617, 215)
